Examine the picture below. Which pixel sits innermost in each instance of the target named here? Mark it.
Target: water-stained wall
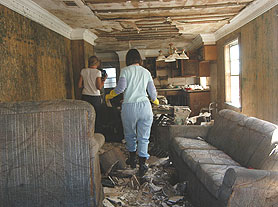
(81, 51)
(35, 62)
(259, 66)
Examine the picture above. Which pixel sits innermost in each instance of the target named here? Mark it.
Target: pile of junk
(123, 187)
(165, 114)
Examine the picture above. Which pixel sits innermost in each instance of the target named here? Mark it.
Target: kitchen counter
(195, 99)
(180, 89)
(169, 89)
(196, 91)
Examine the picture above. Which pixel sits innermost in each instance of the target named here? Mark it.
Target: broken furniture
(49, 154)
(232, 163)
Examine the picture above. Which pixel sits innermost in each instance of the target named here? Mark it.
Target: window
(111, 81)
(232, 74)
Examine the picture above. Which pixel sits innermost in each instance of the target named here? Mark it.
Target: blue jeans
(137, 120)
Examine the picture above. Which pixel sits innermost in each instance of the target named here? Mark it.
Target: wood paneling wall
(81, 51)
(259, 66)
(35, 62)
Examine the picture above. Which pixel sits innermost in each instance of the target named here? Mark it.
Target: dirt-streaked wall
(35, 62)
(259, 66)
(81, 51)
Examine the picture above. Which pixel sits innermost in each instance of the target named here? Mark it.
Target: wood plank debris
(159, 187)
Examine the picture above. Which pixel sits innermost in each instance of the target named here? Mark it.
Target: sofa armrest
(96, 142)
(100, 139)
(188, 131)
(249, 187)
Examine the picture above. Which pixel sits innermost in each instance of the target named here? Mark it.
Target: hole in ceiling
(70, 3)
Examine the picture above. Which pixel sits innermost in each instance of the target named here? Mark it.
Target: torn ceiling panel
(153, 23)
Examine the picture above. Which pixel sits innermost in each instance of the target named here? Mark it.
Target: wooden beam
(203, 6)
(161, 20)
(149, 1)
(138, 34)
(146, 15)
(147, 38)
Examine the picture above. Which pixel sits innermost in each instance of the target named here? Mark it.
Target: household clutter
(123, 187)
(165, 114)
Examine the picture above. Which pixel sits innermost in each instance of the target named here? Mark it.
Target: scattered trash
(135, 184)
(159, 186)
(108, 182)
(175, 199)
(181, 188)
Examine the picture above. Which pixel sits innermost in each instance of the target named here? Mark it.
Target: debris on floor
(123, 187)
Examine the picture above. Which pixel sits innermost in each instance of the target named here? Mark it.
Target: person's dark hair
(93, 60)
(132, 57)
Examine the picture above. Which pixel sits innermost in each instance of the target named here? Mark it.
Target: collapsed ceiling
(145, 24)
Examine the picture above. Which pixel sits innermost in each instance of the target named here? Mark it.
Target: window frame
(228, 75)
(105, 68)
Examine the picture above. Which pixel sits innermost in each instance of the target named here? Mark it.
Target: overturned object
(181, 114)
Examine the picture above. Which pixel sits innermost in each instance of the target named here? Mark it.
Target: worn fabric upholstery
(48, 154)
(235, 164)
(180, 144)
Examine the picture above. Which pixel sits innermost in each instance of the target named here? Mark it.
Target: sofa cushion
(212, 176)
(193, 157)
(226, 132)
(264, 141)
(182, 143)
(247, 140)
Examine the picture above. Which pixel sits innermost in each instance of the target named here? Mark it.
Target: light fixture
(160, 56)
(173, 56)
(183, 56)
(170, 58)
(176, 55)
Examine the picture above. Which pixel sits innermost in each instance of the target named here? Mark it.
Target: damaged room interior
(150, 103)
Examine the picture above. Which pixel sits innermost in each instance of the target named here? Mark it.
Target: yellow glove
(111, 95)
(156, 102)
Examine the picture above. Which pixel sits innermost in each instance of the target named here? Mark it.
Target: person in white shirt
(91, 83)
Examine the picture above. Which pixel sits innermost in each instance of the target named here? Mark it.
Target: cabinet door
(188, 67)
(210, 52)
(150, 64)
(197, 101)
(204, 70)
(168, 68)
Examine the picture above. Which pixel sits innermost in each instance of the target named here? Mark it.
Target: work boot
(143, 168)
(131, 160)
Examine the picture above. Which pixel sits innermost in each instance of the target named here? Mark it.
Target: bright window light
(111, 79)
(232, 74)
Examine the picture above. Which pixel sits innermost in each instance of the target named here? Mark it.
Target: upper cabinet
(167, 68)
(188, 67)
(208, 52)
(198, 65)
(194, 68)
(150, 64)
(204, 70)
